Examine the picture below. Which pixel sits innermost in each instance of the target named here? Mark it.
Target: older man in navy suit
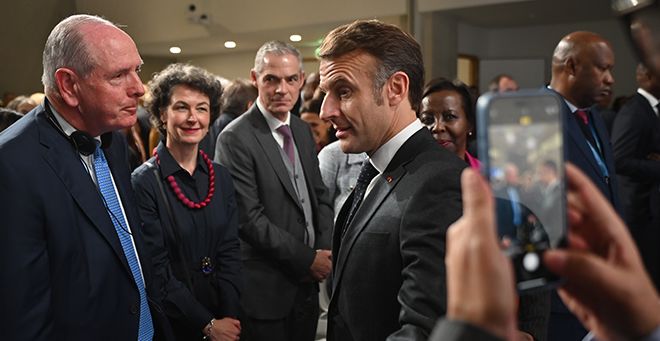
(582, 74)
(70, 236)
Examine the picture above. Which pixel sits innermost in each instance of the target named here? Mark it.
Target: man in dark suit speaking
(70, 234)
(389, 238)
(285, 214)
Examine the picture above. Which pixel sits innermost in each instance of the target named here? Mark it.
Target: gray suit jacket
(389, 275)
(275, 257)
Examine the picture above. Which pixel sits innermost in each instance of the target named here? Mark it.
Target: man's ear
(397, 88)
(571, 66)
(253, 78)
(67, 83)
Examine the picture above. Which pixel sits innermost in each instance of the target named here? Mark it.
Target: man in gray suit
(388, 242)
(285, 214)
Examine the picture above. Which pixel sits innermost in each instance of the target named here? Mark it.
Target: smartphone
(521, 148)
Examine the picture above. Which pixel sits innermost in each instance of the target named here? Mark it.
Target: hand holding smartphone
(521, 147)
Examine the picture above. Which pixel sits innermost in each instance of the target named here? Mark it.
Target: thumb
(477, 198)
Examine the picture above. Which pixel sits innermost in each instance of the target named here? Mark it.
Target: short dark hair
(162, 84)
(494, 85)
(395, 50)
(237, 95)
(313, 105)
(441, 83)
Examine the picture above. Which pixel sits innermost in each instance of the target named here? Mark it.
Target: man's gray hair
(66, 47)
(278, 48)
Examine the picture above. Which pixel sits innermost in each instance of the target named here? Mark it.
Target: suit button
(135, 309)
(301, 220)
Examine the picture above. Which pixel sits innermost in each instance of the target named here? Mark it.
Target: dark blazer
(389, 275)
(635, 135)
(563, 324)
(192, 234)
(452, 330)
(275, 257)
(63, 272)
(579, 153)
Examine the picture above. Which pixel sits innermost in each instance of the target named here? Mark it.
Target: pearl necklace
(182, 197)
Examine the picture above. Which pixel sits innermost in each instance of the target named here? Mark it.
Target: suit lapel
(576, 134)
(384, 185)
(371, 203)
(270, 147)
(70, 170)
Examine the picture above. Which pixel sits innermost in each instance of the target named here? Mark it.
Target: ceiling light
(175, 50)
(295, 37)
(230, 44)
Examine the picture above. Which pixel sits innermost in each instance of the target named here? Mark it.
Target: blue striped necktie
(107, 189)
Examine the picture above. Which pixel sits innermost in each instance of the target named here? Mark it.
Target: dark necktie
(285, 131)
(589, 134)
(107, 189)
(367, 174)
(583, 115)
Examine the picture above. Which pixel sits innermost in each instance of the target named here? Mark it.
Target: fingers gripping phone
(521, 146)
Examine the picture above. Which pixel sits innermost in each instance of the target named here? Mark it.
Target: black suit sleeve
(452, 330)
(255, 227)
(179, 301)
(422, 237)
(629, 133)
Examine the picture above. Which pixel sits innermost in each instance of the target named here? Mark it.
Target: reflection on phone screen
(525, 168)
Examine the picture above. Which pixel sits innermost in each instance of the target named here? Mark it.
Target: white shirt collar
(570, 105)
(383, 155)
(273, 122)
(649, 97)
(65, 125)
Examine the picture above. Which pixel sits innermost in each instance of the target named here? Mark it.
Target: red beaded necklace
(182, 197)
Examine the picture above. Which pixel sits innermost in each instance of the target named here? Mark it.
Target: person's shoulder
(20, 135)
(331, 151)
(241, 123)
(144, 172)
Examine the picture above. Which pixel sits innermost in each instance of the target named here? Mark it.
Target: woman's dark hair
(441, 83)
(163, 83)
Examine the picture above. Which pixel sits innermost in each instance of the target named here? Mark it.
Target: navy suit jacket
(579, 153)
(63, 272)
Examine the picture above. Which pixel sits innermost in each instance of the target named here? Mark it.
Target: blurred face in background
(319, 128)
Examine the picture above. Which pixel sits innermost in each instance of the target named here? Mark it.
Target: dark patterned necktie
(367, 174)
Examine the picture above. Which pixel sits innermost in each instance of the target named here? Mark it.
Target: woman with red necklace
(189, 210)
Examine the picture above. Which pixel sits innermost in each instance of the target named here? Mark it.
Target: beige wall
(238, 65)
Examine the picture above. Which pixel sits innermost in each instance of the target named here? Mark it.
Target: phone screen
(525, 167)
